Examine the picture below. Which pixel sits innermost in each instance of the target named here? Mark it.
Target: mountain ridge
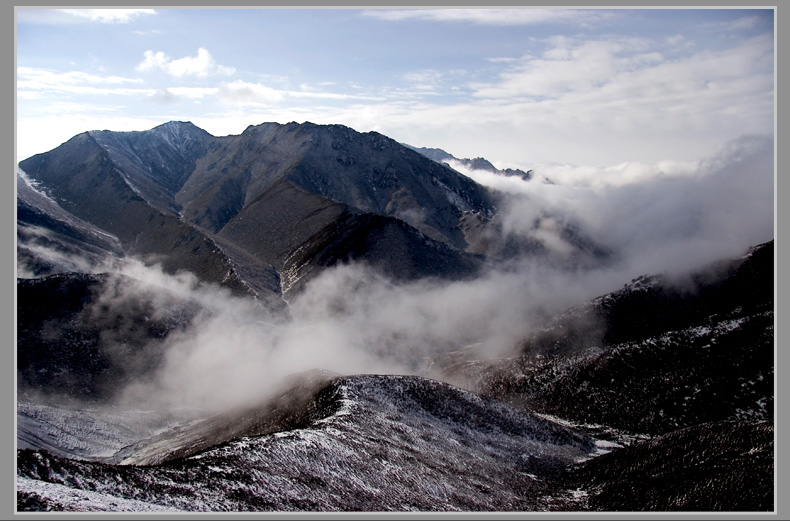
(205, 196)
(656, 396)
(478, 163)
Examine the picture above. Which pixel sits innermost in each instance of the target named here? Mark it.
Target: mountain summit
(274, 199)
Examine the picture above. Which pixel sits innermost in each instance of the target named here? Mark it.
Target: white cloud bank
(201, 65)
(670, 216)
(352, 320)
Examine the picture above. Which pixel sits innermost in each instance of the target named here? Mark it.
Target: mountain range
(478, 163)
(657, 396)
(276, 199)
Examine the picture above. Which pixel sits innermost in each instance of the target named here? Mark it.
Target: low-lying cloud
(672, 216)
(351, 319)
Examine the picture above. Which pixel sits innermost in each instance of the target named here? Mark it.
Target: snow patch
(73, 499)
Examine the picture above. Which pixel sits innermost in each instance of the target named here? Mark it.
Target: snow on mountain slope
(389, 443)
(35, 495)
(52, 240)
(156, 162)
(165, 193)
(91, 434)
(655, 356)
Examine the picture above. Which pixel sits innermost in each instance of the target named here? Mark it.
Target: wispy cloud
(73, 77)
(602, 92)
(241, 91)
(501, 59)
(193, 92)
(327, 95)
(71, 16)
(425, 79)
(31, 80)
(514, 16)
(147, 33)
(743, 23)
(176, 94)
(563, 68)
(201, 66)
(109, 15)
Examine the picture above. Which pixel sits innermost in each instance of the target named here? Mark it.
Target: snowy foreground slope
(664, 402)
(655, 356)
(375, 443)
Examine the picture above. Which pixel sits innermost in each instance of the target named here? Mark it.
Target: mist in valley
(667, 218)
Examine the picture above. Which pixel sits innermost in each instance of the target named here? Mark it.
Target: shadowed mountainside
(82, 336)
(725, 466)
(241, 210)
(654, 356)
(374, 443)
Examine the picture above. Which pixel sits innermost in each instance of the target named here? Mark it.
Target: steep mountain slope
(369, 172)
(328, 232)
(282, 218)
(52, 240)
(156, 162)
(82, 178)
(374, 443)
(83, 336)
(478, 163)
(654, 357)
(725, 466)
(239, 210)
(396, 249)
(654, 304)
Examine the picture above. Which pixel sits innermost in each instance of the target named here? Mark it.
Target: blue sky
(519, 87)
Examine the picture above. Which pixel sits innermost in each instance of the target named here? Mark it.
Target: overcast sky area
(520, 87)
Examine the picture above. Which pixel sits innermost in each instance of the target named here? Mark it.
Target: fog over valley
(531, 271)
